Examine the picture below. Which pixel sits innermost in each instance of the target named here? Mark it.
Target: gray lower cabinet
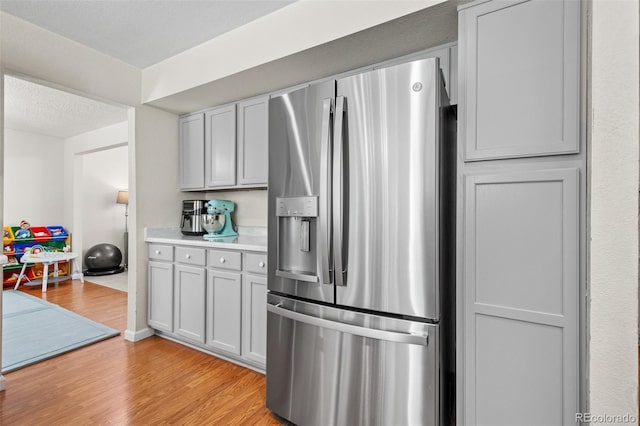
(224, 306)
(161, 295)
(254, 318)
(189, 302)
(214, 299)
(521, 279)
(225, 147)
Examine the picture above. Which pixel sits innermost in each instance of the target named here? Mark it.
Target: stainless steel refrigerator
(360, 310)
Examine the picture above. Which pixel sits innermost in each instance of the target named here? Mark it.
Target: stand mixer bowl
(212, 223)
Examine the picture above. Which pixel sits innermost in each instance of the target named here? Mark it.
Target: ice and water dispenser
(297, 230)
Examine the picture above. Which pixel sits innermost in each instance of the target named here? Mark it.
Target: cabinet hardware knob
(222, 260)
(157, 251)
(261, 264)
(188, 256)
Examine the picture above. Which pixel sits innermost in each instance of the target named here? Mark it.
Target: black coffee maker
(191, 222)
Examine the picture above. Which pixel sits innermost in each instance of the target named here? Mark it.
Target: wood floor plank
(154, 381)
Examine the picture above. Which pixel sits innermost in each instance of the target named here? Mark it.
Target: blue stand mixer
(217, 222)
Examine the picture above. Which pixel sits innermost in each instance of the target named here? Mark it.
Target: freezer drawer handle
(390, 336)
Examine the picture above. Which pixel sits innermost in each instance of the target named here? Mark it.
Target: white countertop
(249, 238)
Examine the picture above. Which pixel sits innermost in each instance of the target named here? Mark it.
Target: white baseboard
(135, 336)
(209, 352)
(3, 383)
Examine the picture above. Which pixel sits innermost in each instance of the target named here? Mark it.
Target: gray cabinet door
(520, 273)
(253, 141)
(189, 302)
(519, 87)
(220, 147)
(224, 305)
(254, 318)
(160, 296)
(192, 151)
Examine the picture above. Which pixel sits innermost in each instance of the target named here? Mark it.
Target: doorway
(47, 134)
(103, 219)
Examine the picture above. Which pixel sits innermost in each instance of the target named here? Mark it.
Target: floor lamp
(123, 198)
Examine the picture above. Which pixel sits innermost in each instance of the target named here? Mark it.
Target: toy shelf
(17, 242)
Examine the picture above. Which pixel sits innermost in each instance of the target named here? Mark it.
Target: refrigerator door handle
(324, 240)
(373, 333)
(338, 190)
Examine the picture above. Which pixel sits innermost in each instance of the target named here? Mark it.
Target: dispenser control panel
(297, 206)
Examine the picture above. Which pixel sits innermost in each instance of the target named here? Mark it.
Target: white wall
(34, 169)
(251, 205)
(613, 185)
(104, 174)
(302, 25)
(154, 199)
(76, 149)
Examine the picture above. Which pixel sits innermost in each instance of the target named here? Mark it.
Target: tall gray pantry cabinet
(521, 212)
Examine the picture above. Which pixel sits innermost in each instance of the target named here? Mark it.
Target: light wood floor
(118, 382)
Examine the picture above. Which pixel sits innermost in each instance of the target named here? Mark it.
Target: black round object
(103, 259)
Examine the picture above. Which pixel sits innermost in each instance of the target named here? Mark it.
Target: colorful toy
(24, 231)
(14, 277)
(36, 249)
(56, 231)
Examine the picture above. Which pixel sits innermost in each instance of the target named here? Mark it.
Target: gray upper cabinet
(191, 151)
(253, 141)
(220, 147)
(519, 87)
(225, 147)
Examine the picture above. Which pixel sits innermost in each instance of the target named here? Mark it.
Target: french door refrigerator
(360, 271)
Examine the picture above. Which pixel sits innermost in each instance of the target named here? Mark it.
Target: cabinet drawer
(161, 252)
(225, 259)
(191, 255)
(256, 263)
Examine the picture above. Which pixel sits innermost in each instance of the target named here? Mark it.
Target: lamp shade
(123, 197)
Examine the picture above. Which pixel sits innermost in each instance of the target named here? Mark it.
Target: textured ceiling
(33, 108)
(140, 32)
